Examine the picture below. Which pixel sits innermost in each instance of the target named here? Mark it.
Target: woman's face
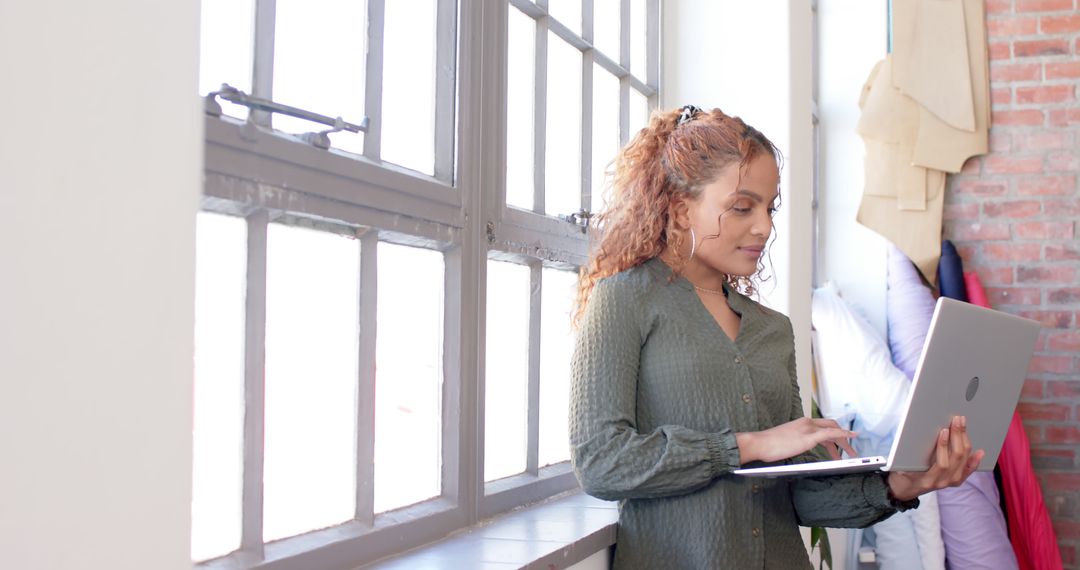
(732, 217)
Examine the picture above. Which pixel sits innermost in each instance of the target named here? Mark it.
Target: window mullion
(540, 116)
(652, 50)
(373, 81)
(533, 405)
(251, 535)
(365, 424)
(586, 129)
(445, 71)
(262, 79)
(624, 82)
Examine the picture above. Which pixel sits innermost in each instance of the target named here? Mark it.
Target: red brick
(1036, 48)
(999, 51)
(1063, 161)
(967, 252)
(1051, 319)
(1012, 26)
(1049, 458)
(1007, 164)
(1062, 434)
(1043, 185)
(1065, 296)
(1053, 412)
(1069, 24)
(1062, 253)
(1043, 5)
(1032, 389)
(1044, 94)
(1000, 97)
(961, 211)
(1052, 364)
(1008, 72)
(1046, 274)
(979, 187)
(1065, 389)
(1065, 340)
(1066, 207)
(1043, 140)
(1000, 142)
(1012, 209)
(998, 6)
(1020, 117)
(1012, 251)
(977, 231)
(1014, 295)
(1062, 117)
(1064, 70)
(996, 275)
(1063, 481)
(1034, 434)
(1044, 230)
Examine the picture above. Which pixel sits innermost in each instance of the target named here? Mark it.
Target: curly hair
(669, 157)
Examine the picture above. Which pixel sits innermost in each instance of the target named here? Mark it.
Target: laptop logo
(972, 387)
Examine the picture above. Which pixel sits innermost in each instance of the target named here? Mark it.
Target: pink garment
(1032, 535)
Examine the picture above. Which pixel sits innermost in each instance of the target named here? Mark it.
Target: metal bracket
(579, 218)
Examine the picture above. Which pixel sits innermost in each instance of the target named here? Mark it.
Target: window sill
(554, 534)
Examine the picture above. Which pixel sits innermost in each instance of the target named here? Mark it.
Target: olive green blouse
(659, 391)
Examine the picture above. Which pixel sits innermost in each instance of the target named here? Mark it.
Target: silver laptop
(973, 364)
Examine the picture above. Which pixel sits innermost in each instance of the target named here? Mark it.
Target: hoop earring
(693, 243)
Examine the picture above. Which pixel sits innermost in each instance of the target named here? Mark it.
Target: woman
(679, 377)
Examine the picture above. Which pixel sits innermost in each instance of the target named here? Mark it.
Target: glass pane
(520, 105)
(319, 56)
(226, 41)
(562, 191)
(312, 312)
(408, 376)
(556, 345)
(605, 143)
(637, 38)
(567, 12)
(506, 370)
(639, 112)
(606, 25)
(220, 275)
(408, 113)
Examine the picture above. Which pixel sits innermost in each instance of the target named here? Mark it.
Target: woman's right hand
(794, 437)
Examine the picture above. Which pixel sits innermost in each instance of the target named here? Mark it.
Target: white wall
(854, 36)
(100, 173)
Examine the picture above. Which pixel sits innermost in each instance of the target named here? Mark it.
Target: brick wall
(1013, 213)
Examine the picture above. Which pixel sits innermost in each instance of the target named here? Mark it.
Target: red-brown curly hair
(664, 160)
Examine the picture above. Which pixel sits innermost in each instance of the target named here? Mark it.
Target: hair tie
(688, 112)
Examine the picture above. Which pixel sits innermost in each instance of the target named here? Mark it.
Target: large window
(396, 203)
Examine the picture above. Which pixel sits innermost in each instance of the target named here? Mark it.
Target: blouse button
(756, 532)
(738, 360)
(756, 488)
(746, 398)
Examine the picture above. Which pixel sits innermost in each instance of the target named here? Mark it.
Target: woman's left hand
(953, 463)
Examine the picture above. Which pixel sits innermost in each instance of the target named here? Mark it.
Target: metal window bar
(365, 437)
(262, 73)
(374, 72)
(319, 139)
(532, 456)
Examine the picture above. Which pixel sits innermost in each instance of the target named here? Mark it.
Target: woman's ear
(680, 212)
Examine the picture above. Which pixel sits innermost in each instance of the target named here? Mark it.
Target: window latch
(319, 139)
(579, 218)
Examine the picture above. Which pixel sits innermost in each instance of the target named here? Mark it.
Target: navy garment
(951, 273)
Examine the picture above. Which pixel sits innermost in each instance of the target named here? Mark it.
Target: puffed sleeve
(611, 458)
(838, 501)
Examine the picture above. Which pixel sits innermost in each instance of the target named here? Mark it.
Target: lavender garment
(910, 306)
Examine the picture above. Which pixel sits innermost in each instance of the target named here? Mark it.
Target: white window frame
(265, 176)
